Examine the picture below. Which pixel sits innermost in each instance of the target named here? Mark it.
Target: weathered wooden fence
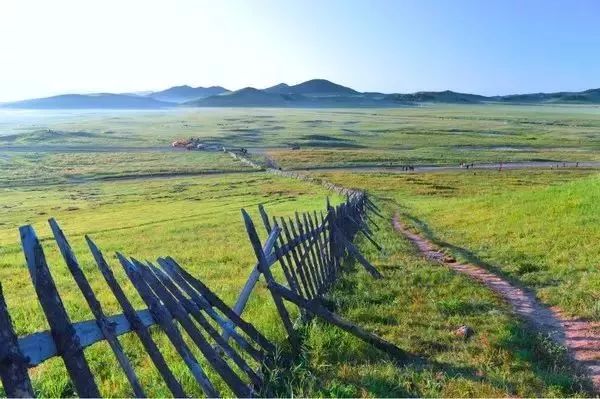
(309, 248)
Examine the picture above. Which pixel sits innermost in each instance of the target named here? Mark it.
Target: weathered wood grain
(138, 322)
(96, 308)
(63, 333)
(264, 269)
(13, 364)
(164, 320)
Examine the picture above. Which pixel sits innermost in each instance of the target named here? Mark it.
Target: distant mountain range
(316, 93)
(182, 94)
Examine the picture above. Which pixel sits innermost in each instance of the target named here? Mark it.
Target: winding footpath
(580, 337)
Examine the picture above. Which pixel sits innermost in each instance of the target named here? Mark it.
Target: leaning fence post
(13, 365)
(65, 338)
(264, 269)
(142, 331)
(95, 307)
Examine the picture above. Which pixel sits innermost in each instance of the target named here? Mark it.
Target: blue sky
(479, 46)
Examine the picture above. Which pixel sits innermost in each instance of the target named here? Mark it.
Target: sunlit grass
(540, 228)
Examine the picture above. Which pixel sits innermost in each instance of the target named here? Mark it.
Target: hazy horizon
(488, 48)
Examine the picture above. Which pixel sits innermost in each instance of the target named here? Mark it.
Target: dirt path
(442, 168)
(580, 337)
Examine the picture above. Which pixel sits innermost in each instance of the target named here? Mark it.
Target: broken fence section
(310, 248)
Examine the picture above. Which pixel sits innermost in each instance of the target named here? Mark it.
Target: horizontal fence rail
(310, 248)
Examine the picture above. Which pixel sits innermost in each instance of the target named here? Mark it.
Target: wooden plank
(95, 307)
(13, 364)
(39, 347)
(66, 340)
(215, 301)
(289, 276)
(207, 307)
(333, 244)
(164, 320)
(358, 256)
(264, 269)
(194, 310)
(365, 233)
(311, 245)
(318, 251)
(294, 243)
(326, 250)
(305, 263)
(244, 296)
(289, 263)
(181, 315)
(314, 307)
(308, 287)
(138, 322)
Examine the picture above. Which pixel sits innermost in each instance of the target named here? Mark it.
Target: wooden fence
(309, 248)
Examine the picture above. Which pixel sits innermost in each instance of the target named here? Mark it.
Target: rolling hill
(181, 94)
(313, 88)
(313, 93)
(90, 101)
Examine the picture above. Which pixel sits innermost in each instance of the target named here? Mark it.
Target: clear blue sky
(479, 46)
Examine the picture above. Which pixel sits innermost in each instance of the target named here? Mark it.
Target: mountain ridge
(312, 93)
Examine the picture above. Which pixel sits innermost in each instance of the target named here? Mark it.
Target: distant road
(477, 166)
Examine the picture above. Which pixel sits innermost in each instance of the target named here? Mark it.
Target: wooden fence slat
(322, 250)
(63, 332)
(242, 299)
(264, 269)
(13, 364)
(317, 253)
(203, 304)
(305, 262)
(306, 259)
(358, 256)
(292, 283)
(309, 245)
(315, 250)
(331, 242)
(181, 315)
(164, 319)
(314, 307)
(300, 289)
(95, 306)
(194, 310)
(137, 322)
(308, 288)
(215, 301)
(365, 232)
(327, 249)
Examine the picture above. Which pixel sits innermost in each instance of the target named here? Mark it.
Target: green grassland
(540, 228)
(442, 134)
(111, 175)
(50, 168)
(418, 306)
(196, 219)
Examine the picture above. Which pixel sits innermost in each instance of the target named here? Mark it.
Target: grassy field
(539, 228)
(51, 168)
(417, 306)
(195, 220)
(443, 134)
(111, 175)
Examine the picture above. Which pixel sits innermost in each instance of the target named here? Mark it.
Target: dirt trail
(443, 168)
(580, 337)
